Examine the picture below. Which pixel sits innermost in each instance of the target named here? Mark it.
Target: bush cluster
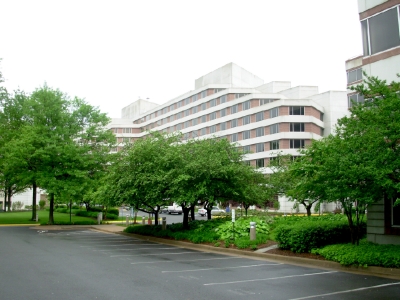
(365, 254)
(305, 234)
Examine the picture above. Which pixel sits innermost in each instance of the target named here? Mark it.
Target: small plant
(42, 203)
(17, 205)
(217, 244)
(227, 244)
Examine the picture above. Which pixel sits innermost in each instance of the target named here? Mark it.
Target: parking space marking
(223, 268)
(176, 253)
(135, 244)
(132, 249)
(348, 291)
(272, 278)
(170, 261)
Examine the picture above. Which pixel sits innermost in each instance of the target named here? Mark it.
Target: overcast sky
(113, 52)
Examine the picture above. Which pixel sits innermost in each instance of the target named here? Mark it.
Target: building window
(355, 99)
(213, 102)
(223, 126)
(223, 112)
(234, 109)
(165, 110)
(274, 112)
(187, 112)
(213, 116)
(246, 149)
(234, 123)
(260, 163)
(380, 32)
(213, 129)
(187, 101)
(274, 145)
(178, 115)
(178, 104)
(321, 116)
(127, 130)
(322, 131)
(203, 94)
(194, 122)
(296, 144)
(234, 137)
(296, 110)
(194, 98)
(274, 129)
(178, 127)
(203, 131)
(246, 120)
(259, 116)
(297, 127)
(260, 147)
(259, 131)
(246, 105)
(171, 118)
(125, 140)
(239, 95)
(203, 119)
(222, 99)
(266, 101)
(354, 75)
(171, 107)
(246, 135)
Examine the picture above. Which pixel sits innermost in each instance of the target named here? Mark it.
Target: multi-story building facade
(262, 119)
(380, 29)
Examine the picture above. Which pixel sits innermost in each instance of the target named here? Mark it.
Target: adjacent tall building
(230, 102)
(380, 30)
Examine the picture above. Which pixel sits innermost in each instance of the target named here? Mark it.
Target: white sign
(233, 216)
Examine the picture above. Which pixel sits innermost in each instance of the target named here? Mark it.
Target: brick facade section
(311, 111)
(284, 144)
(310, 127)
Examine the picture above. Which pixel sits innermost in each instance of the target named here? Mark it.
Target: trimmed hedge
(365, 254)
(308, 234)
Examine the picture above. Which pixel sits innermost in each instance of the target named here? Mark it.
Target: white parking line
(223, 268)
(91, 246)
(157, 254)
(348, 291)
(170, 261)
(132, 249)
(266, 279)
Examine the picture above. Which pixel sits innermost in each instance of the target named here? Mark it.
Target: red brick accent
(307, 142)
(210, 92)
(284, 127)
(310, 127)
(283, 110)
(240, 121)
(253, 134)
(136, 130)
(284, 144)
(252, 118)
(266, 114)
(311, 111)
(230, 97)
(254, 103)
(253, 163)
(253, 148)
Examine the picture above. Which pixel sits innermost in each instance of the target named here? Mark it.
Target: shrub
(114, 211)
(42, 203)
(96, 209)
(17, 205)
(242, 227)
(62, 210)
(110, 216)
(365, 254)
(309, 234)
(244, 242)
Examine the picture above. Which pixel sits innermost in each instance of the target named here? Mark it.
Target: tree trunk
(208, 213)
(34, 188)
(185, 217)
(308, 209)
(9, 198)
(192, 213)
(156, 214)
(5, 200)
(51, 216)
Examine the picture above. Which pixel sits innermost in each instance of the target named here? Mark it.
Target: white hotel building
(230, 102)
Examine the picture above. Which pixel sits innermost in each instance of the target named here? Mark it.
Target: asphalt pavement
(101, 263)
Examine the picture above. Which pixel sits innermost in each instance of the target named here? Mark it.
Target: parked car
(214, 211)
(164, 210)
(175, 209)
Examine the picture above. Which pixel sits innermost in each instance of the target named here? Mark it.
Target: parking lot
(100, 265)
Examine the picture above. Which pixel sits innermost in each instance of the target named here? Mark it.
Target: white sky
(113, 52)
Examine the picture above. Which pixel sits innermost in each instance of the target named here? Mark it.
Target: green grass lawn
(23, 217)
